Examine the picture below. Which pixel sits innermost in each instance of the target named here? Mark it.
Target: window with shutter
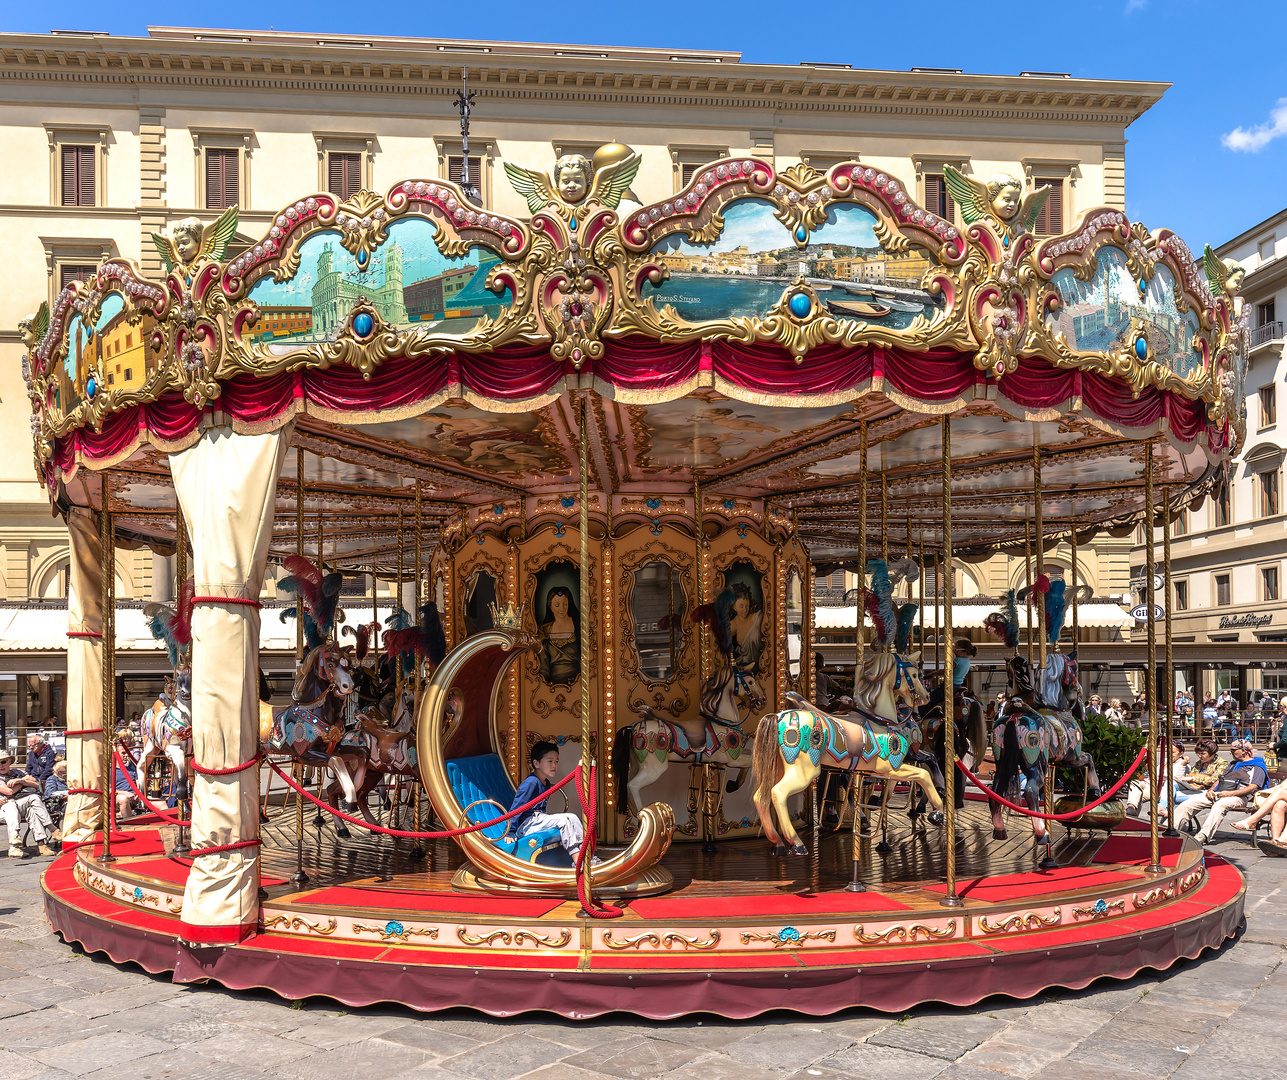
(937, 199)
(456, 170)
(687, 172)
(344, 174)
(78, 175)
(1050, 222)
(69, 272)
(222, 178)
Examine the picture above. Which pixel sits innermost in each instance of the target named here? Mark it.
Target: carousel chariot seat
(484, 792)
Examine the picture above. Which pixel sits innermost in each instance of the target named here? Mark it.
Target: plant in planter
(1113, 749)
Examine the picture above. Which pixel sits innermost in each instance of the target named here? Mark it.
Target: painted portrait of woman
(560, 637)
(747, 623)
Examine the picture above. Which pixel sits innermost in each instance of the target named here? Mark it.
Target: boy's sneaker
(16, 851)
(45, 849)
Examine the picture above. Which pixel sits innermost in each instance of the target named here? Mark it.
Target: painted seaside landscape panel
(407, 280)
(746, 270)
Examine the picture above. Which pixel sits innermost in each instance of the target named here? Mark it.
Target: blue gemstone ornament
(394, 929)
(1143, 286)
(573, 224)
(363, 324)
(361, 258)
(1141, 347)
(800, 304)
(91, 386)
(802, 234)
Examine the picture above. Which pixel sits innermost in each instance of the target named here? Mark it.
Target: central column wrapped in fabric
(84, 677)
(227, 485)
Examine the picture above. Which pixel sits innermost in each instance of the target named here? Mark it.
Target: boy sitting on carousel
(545, 764)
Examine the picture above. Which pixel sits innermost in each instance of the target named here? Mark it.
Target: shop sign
(1252, 620)
(1140, 612)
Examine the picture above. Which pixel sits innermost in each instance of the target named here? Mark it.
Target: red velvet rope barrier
(225, 772)
(214, 849)
(240, 601)
(1056, 817)
(162, 814)
(595, 909)
(84, 791)
(84, 633)
(83, 731)
(443, 835)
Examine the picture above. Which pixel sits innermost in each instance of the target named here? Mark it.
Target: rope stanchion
(1056, 817)
(596, 909)
(225, 772)
(163, 814)
(444, 834)
(83, 634)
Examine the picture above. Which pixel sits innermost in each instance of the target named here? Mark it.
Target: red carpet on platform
(401, 900)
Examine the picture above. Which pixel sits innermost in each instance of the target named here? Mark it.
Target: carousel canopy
(738, 344)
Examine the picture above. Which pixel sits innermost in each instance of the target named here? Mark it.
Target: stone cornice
(166, 63)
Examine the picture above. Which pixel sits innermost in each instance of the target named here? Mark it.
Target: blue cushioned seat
(484, 777)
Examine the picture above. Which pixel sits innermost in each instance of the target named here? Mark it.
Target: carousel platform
(739, 935)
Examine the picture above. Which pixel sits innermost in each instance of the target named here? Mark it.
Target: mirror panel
(657, 609)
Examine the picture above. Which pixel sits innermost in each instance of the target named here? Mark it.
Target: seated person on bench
(545, 764)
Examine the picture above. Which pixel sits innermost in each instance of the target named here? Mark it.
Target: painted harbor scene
(754, 261)
(407, 280)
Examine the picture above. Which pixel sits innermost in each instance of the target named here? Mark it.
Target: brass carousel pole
(1150, 679)
(321, 546)
(108, 557)
(184, 806)
(859, 645)
(1027, 575)
(418, 850)
(701, 577)
(587, 760)
(949, 704)
(860, 650)
(1040, 538)
(1170, 665)
(299, 877)
(1072, 544)
(884, 517)
(394, 662)
(886, 787)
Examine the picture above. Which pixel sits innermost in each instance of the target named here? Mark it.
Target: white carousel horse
(656, 742)
(792, 746)
(311, 729)
(167, 729)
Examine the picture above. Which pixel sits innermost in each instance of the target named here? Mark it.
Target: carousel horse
(728, 696)
(970, 734)
(1030, 735)
(656, 741)
(166, 729)
(791, 747)
(311, 729)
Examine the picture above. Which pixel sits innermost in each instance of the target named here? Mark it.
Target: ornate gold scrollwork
(788, 937)
(1028, 921)
(1154, 896)
(298, 922)
(564, 936)
(1190, 879)
(1100, 909)
(503, 936)
(660, 941)
(906, 933)
(395, 931)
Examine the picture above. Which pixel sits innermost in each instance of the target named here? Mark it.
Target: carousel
(592, 457)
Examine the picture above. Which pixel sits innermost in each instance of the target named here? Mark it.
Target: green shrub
(1113, 748)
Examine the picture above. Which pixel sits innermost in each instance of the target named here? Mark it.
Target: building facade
(1229, 552)
(111, 139)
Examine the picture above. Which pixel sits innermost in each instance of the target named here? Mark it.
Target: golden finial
(507, 618)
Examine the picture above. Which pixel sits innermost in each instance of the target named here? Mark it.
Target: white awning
(971, 616)
(40, 629)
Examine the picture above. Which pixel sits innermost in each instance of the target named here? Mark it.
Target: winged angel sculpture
(576, 183)
(190, 241)
(999, 201)
(1225, 276)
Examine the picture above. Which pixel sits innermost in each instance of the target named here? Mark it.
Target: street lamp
(465, 105)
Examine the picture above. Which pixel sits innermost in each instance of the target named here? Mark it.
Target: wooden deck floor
(738, 867)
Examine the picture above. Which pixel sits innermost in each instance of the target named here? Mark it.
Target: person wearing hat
(20, 798)
(1234, 790)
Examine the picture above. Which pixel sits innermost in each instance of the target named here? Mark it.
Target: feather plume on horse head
(361, 639)
(399, 619)
(908, 570)
(1056, 605)
(882, 588)
(1004, 624)
(906, 617)
(719, 617)
(318, 592)
(411, 643)
(172, 626)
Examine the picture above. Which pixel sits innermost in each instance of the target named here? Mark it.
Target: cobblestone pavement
(63, 1014)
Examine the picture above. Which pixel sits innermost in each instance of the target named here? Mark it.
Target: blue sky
(1224, 57)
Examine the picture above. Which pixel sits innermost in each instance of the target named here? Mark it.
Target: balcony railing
(1262, 335)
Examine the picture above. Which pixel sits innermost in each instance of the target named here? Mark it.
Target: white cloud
(1135, 5)
(1257, 138)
